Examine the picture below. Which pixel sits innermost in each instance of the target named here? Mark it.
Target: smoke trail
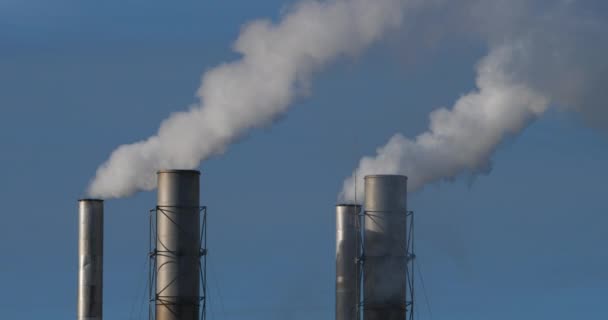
(461, 139)
(276, 65)
(557, 61)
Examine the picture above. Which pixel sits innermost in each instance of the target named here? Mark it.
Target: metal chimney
(90, 259)
(385, 248)
(347, 265)
(178, 252)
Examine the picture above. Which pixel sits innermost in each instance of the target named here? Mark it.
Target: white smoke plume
(558, 60)
(460, 139)
(276, 65)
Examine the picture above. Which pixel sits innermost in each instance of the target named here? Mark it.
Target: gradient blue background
(78, 78)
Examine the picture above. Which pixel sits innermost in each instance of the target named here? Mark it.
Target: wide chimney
(347, 266)
(177, 245)
(90, 259)
(385, 244)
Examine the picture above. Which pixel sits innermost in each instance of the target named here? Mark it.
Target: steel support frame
(409, 255)
(153, 252)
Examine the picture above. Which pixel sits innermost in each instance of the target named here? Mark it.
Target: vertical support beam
(90, 259)
(347, 266)
(385, 248)
(410, 295)
(178, 251)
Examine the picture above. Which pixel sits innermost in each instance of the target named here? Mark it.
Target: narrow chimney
(90, 259)
(347, 267)
(177, 245)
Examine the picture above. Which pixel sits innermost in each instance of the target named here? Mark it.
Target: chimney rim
(348, 205)
(385, 176)
(197, 172)
(90, 200)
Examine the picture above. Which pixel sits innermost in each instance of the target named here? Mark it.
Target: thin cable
(426, 298)
(137, 290)
(210, 307)
(355, 186)
(143, 297)
(219, 293)
(416, 313)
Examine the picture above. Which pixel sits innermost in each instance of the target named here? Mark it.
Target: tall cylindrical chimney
(385, 244)
(90, 259)
(347, 266)
(177, 245)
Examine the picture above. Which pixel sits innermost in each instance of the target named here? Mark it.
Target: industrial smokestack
(177, 245)
(90, 259)
(385, 243)
(347, 266)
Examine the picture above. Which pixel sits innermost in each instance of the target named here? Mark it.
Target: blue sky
(79, 78)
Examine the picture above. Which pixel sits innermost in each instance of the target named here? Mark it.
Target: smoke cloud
(460, 139)
(541, 54)
(558, 59)
(276, 66)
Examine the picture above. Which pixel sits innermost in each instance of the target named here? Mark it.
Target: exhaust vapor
(558, 60)
(276, 66)
(541, 54)
(461, 139)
